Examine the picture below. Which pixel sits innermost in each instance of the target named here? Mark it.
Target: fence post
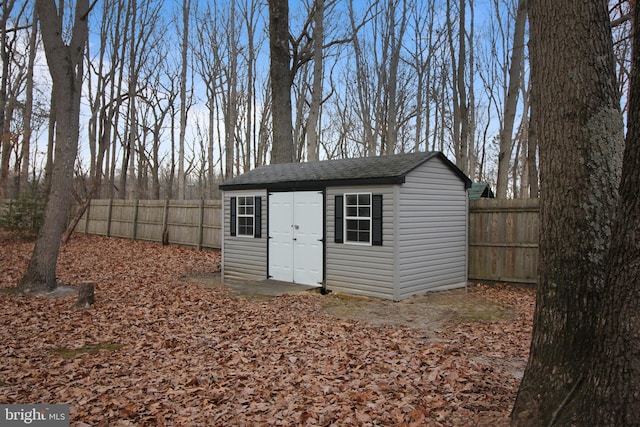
(87, 214)
(135, 219)
(109, 216)
(165, 223)
(201, 224)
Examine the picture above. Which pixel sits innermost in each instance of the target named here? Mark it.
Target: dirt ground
(428, 312)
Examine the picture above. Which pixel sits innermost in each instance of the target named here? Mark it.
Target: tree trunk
(511, 103)
(532, 151)
(4, 79)
(395, 46)
(65, 65)
(231, 105)
(313, 124)
(613, 385)
(280, 72)
(579, 127)
(28, 108)
(364, 96)
(462, 160)
(186, 6)
(250, 22)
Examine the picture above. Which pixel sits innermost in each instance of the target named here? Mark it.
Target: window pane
(352, 199)
(358, 230)
(363, 212)
(245, 226)
(352, 211)
(363, 199)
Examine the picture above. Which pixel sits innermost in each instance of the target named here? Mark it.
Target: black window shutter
(257, 213)
(339, 220)
(376, 220)
(232, 217)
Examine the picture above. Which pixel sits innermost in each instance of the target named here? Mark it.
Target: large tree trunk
(579, 127)
(281, 79)
(65, 65)
(612, 391)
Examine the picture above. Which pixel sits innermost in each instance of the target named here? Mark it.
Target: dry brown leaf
(197, 355)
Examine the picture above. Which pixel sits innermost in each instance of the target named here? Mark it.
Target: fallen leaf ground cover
(156, 349)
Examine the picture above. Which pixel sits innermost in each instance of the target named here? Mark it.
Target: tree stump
(85, 295)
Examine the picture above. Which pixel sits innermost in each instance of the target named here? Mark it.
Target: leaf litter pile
(156, 349)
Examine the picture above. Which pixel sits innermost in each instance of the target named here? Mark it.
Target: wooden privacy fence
(187, 222)
(503, 240)
(503, 234)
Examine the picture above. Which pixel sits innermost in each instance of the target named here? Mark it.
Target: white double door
(296, 237)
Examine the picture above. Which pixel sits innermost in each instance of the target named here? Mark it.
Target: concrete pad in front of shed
(260, 289)
(269, 288)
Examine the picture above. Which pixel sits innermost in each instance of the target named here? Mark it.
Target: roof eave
(314, 184)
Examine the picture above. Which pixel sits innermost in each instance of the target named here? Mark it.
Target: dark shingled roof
(479, 190)
(317, 175)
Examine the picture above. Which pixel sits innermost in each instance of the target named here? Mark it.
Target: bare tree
(143, 19)
(184, 66)
(230, 92)
(377, 49)
(421, 59)
(396, 36)
(459, 90)
(208, 67)
(318, 76)
(66, 67)
(12, 84)
(511, 101)
(250, 12)
(28, 107)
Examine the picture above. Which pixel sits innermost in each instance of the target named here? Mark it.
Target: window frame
(347, 218)
(251, 215)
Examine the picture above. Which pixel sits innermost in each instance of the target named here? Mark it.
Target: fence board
(503, 240)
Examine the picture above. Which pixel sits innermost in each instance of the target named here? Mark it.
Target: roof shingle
(390, 169)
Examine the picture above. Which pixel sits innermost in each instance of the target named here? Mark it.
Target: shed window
(357, 218)
(245, 215)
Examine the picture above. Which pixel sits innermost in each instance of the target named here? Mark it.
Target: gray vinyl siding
(362, 269)
(244, 258)
(432, 230)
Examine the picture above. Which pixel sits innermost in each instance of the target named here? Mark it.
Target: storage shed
(389, 227)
